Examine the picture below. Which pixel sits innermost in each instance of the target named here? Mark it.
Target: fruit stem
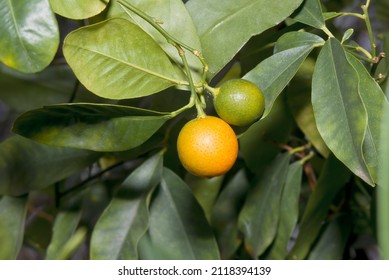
(213, 91)
(368, 57)
(194, 95)
(306, 158)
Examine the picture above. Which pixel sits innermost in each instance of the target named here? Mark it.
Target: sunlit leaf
(12, 219)
(125, 220)
(260, 214)
(116, 59)
(175, 20)
(76, 9)
(340, 115)
(29, 34)
(239, 19)
(375, 103)
(97, 127)
(178, 227)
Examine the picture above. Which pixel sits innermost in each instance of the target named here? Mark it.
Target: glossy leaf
(297, 39)
(225, 214)
(311, 14)
(339, 112)
(333, 240)
(29, 34)
(260, 214)
(97, 127)
(26, 165)
(178, 227)
(176, 21)
(347, 34)
(274, 73)
(116, 59)
(76, 9)
(125, 220)
(239, 19)
(289, 211)
(64, 227)
(12, 219)
(332, 178)
(375, 103)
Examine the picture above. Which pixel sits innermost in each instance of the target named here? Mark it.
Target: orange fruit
(239, 102)
(207, 146)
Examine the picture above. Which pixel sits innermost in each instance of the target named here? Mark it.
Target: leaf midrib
(148, 71)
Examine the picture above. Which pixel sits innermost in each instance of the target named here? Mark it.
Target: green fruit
(239, 102)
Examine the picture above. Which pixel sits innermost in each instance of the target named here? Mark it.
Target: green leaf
(347, 34)
(375, 103)
(65, 225)
(29, 34)
(258, 145)
(205, 191)
(297, 39)
(289, 211)
(23, 92)
(26, 165)
(339, 112)
(12, 219)
(260, 214)
(176, 21)
(299, 101)
(332, 178)
(125, 220)
(76, 9)
(310, 13)
(178, 227)
(333, 240)
(116, 59)
(225, 214)
(273, 74)
(383, 189)
(239, 19)
(97, 127)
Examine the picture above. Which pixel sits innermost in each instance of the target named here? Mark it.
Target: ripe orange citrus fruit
(239, 102)
(207, 146)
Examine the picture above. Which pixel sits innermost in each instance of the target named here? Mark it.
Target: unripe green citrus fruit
(239, 102)
(207, 146)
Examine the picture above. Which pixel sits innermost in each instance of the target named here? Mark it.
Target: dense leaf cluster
(91, 170)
